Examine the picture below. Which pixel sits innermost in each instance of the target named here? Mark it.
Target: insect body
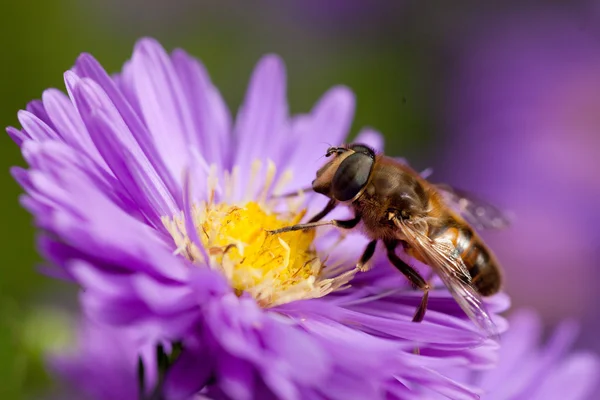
(400, 208)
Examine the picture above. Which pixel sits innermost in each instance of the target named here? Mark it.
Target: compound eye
(361, 148)
(351, 176)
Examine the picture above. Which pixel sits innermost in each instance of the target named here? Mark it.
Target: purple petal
(328, 125)
(237, 377)
(17, 135)
(36, 128)
(583, 368)
(189, 374)
(87, 66)
(122, 153)
(262, 117)
(162, 298)
(128, 244)
(68, 122)
(37, 108)
(371, 138)
(333, 116)
(163, 105)
(210, 115)
(106, 283)
(126, 84)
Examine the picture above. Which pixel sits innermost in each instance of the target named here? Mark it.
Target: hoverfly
(433, 223)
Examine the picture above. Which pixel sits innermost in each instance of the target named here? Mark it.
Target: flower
(528, 370)
(103, 364)
(155, 202)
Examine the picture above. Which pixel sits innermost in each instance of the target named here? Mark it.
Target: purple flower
(152, 199)
(528, 370)
(103, 365)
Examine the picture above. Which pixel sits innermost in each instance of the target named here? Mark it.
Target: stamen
(282, 181)
(212, 183)
(262, 197)
(254, 171)
(274, 269)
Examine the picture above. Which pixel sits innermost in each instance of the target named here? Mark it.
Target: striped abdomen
(481, 263)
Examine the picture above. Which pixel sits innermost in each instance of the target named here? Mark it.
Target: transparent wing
(477, 212)
(443, 257)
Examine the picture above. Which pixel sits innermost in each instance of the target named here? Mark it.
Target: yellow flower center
(274, 269)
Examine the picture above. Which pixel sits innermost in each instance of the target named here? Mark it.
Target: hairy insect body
(393, 204)
(479, 260)
(389, 191)
(396, 189)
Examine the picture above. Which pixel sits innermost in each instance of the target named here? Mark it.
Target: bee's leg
(344, 224)
(366, 256)
(412, 275)
(330, 206)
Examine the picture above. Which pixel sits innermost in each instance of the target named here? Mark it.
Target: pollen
(235, 240)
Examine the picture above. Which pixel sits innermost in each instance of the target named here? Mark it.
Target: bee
(434, 224)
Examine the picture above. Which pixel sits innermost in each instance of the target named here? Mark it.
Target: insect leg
(330, 206)
(344, 224)
(366, 256)
(412, 275)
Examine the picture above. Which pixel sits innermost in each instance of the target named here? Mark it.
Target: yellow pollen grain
(273, 269)
(237, 238)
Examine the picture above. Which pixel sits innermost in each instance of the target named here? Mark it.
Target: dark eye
(361, 148)
(351, 176)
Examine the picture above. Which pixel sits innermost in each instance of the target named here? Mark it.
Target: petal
(163, 105)
(163, 298)
(327, 125)
(333, 116)
(36, 128)
(261, 120)
(58, 158)
(17, 135)
(583, 368)
(92, 278)
(236, 377)
(306, 361)
(68, 122)
(37, 108)
(431, 380)
(371, 138)
(210, 115)
(189, 374)
(126, 84)
(87, 66)
(122, 153)
(112, 311)
(109, 234)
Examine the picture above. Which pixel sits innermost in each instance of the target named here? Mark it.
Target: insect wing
(477, 212)
(451, 270)
(442, 256)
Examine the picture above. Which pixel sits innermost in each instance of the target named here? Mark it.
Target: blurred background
(501, 99)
